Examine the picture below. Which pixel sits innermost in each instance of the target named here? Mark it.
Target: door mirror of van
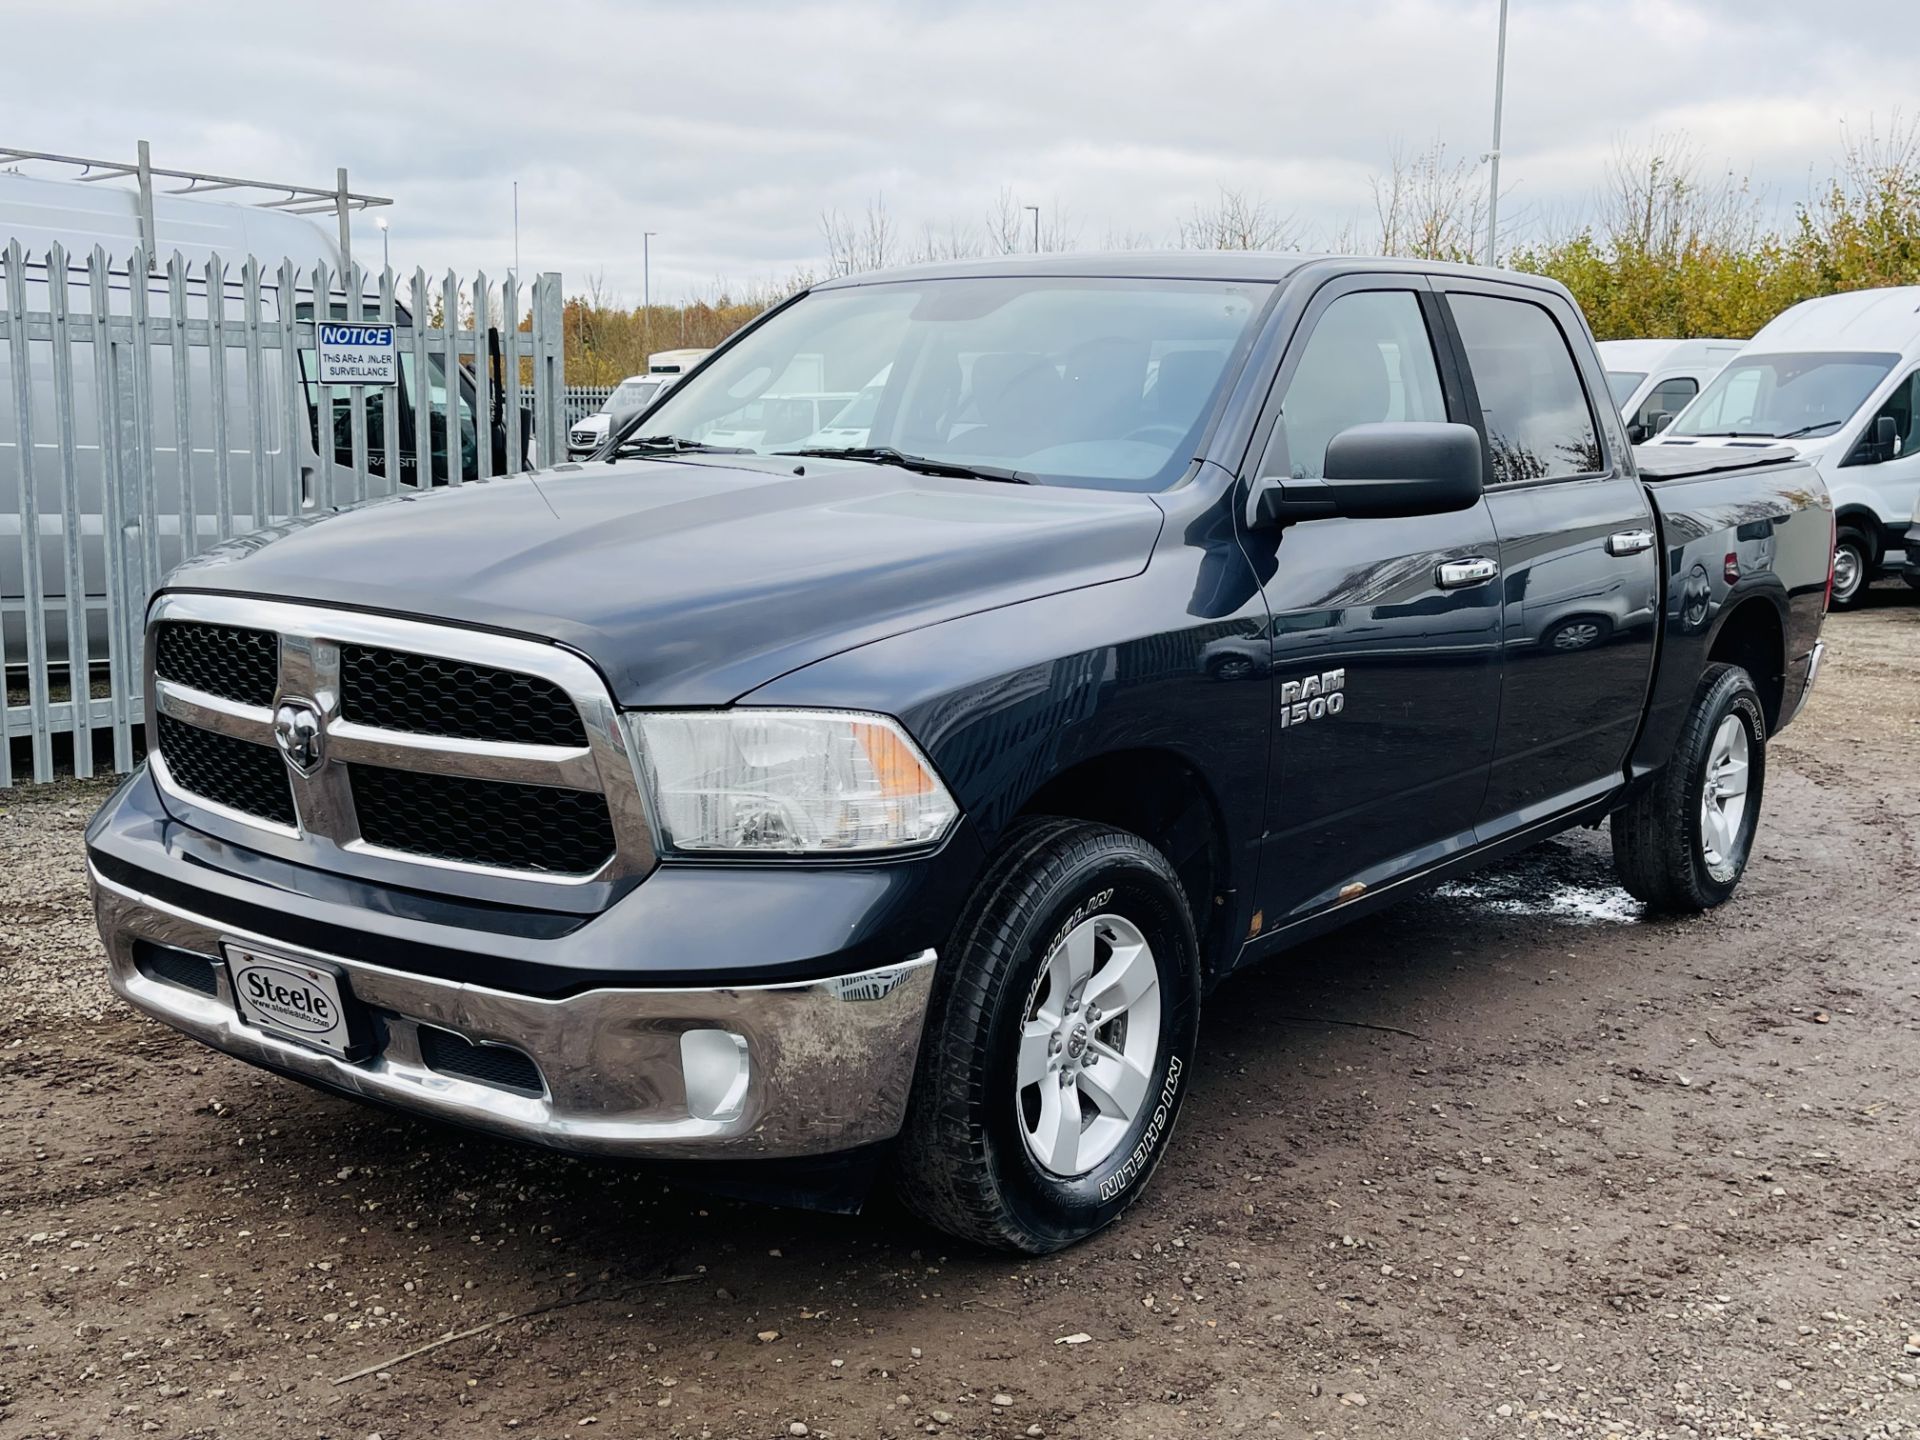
(1658, 421)
(1886, 437)
(1389, 468)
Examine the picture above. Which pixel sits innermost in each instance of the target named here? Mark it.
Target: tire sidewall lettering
(1105, 1190)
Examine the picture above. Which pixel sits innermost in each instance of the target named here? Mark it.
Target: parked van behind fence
(153, 406)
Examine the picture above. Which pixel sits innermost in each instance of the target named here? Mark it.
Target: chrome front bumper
(819, 1067)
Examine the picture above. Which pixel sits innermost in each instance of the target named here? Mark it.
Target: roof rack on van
(294, 199)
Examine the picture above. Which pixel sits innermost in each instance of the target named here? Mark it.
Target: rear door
(1385, 632)
(1579, 551)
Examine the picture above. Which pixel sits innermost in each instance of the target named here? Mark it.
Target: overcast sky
(728, 126)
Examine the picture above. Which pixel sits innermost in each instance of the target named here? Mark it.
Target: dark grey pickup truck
(813, 800)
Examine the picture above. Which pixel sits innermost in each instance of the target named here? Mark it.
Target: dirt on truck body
(1508, 1159)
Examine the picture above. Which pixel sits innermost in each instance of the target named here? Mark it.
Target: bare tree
(1128, 239)
(956, 240)
(1237, 221)
(1430, 207)
(1010, 231)
(860, 245)
(1655, 201)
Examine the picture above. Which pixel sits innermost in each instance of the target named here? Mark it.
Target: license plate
(289, 998)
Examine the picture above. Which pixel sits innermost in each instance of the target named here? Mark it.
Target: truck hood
(693, 582)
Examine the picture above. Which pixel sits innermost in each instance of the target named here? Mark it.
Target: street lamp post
(1493, 155)
(386, 262)
(1036, 226)
(646, 293)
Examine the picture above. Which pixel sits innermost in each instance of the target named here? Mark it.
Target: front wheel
(1682, 843)
(1852, 567)
(1059, 1042)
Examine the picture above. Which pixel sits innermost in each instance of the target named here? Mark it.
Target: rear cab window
(1539, 421)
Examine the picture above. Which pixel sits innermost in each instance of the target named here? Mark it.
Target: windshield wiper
(677, 445)
(919, 464)
(1806, 429)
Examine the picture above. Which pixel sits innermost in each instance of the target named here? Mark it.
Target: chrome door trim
(1630, 542)
(1459, 574)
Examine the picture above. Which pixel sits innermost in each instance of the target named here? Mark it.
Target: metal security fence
(584, 400)
(149, 412)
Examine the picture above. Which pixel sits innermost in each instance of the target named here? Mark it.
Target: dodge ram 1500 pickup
(817, 813)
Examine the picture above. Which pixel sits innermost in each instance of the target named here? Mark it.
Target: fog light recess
(714, 1063)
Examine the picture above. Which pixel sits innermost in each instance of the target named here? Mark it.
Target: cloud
(729, 126)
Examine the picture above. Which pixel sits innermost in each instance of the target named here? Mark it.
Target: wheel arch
(1863, 519)
(1753, 635)
(1162, 797)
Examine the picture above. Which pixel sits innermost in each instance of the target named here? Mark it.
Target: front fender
(1005, 700)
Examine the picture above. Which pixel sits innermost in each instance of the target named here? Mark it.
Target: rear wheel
(1059, 1041)
(1852, 566)
(1682, 844)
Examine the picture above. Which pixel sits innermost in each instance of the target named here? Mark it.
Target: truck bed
(1744, 529)
(1686, 462)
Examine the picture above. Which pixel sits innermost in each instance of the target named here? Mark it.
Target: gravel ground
(1623, 1177)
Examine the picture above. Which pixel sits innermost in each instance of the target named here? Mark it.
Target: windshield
(1091, 382)
(1622, 383)
(630, 396)
(1785, 395)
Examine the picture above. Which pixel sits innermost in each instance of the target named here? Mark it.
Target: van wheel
(1682, 844)
(1852, 566)
(1059, 1043)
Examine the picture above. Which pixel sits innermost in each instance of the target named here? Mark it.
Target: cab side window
(1539, 424)
(1669, 397)
(1903, 408)
(1368, 359)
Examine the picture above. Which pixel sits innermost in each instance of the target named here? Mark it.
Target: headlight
(788, 782)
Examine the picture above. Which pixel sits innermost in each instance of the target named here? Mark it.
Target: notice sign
(357, 355)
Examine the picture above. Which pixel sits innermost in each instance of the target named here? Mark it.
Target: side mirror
(1659, 420)
(1391, 468)
(1637, 434)
(1886, 436)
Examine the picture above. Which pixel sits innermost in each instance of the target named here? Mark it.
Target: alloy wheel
(1723, 798)
(1089, 1040)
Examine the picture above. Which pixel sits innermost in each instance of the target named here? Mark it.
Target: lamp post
(1493, 155)
(1036, 226)
(646, 293)
(386, 262)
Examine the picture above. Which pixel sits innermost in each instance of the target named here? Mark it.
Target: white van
(675, 362)
(1654, 378)
(629, 397)
(41, 212)
(1837, 379)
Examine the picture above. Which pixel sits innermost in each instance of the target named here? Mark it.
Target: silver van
(194, 505)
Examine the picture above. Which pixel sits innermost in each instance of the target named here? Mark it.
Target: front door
(1386, 632)
(1579, 557)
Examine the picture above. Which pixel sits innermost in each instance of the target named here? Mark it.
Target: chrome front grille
(428, 695)
(242, 775)
(387, 747)
(224, 660)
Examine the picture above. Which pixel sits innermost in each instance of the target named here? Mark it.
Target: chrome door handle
(1629, 542)
(1457, 574)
